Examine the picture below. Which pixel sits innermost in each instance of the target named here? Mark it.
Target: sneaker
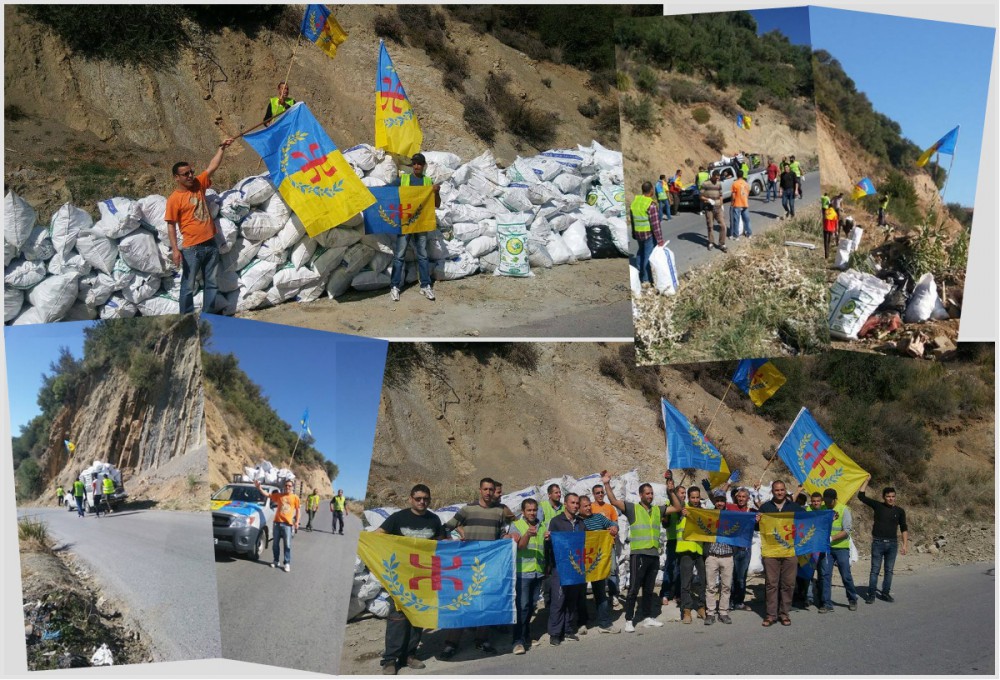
(274, 565)
(389, 669)
(629, 627)
(519, 649)
(394, 294)
(886, 597)
(571, 636)
(582, 630)
(824, 610)
(724, 249)
(288, 568)
(710, 619)
(427, 292)
(710, 245)
(724, 618)
(602, 629)
(448, 651)
(486, 647)
(869, 600)
(554, 641)
(853, 606)
(651, 623)
(414, 662)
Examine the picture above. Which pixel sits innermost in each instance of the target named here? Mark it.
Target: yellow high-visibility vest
(640, 213)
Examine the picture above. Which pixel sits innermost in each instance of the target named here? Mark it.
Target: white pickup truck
(242, 517)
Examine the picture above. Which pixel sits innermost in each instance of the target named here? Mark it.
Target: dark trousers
(779, 584)
(401, 639)
(692, 593)
(310, 514)
(204, 258)
(883, 551)
(670, 584)
(79, 505)
(643, 570)
(338, 517)
(741, 564)
(97, 503)
(563, 607)
(602, 604)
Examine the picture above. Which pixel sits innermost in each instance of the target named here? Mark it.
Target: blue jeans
(423, 264)
(642, 260)
(665, 209)
(883, 549)
(788, 201)
(282, 531)
(79, 505)
(204, 258)
(742, 215)
(602, 599)
(669, 584)
(842, 557)
(772, 190)
(741, 564)
(528, 586)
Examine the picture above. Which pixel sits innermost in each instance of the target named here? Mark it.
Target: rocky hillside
(152, 430)
(118, 128)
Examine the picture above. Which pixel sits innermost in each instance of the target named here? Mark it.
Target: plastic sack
(257, 275)
(844, 249)
(139, 251)
(456, 267)
(119, 217)
(600, 242)
(257, 226)
(13, 300)
(634, 282)
(923, 301)
(853, 298)
(661, 262)
(575, 238)
(511, 241)
(354, 260)
(18, 220)
(39, 246)
(558, 250)
(118, 308)
(98, 250)
(141, 288)
(255, 190)
(66, 224)
(23, 274)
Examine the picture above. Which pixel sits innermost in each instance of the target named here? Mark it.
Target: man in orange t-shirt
(187, 211)
(739, 209)
(286, 517)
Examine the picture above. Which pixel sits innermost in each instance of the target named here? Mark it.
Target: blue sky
(928, 76)
(793, 22)
(337, 377)
(30, 350)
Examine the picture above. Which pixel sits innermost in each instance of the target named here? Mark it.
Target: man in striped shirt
(596, 522)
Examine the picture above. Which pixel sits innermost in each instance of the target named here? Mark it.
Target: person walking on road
(719, 573)
(60, 492)
(312, 506)
(839, 553)
(779, 572)
(529, 535)
(675, 186)
(565, 598)
(644, 520)
(663, 197)
(797, 169)
(646, 230)
(787, 182)
(711, 203)
(401, 637)
(79, 491)
(107, 491)
(338, 506)
(772, 181)
(888, 517)
(97, 489)
(286, 519)
(416, 179)
(739, 209)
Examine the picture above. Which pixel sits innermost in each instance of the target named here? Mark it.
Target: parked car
(241, 518)
(690, 198)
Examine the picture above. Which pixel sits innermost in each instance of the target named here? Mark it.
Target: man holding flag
(416, 179)
(278, 105)
(839, 552)
(719, 572)
(779, 572)
(565, 598)
(602, 596)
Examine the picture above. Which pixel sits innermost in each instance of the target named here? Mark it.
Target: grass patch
(479, 119)
(638, 111)
(701, 115)
(767, 300)
(389, 28)
(590, 108)
(521, 118)
(714, 138)
(31, 530)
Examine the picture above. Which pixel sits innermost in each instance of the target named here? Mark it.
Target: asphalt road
(295, 620)
(604, 321)
(942, 623)
(158, 564)
(687, 235)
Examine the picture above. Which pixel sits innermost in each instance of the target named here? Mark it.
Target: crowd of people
(707, 580)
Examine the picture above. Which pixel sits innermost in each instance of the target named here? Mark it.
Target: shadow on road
(140, 505)
(122, 513)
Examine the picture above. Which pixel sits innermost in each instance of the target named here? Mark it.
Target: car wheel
(259, 545)
(756, 188)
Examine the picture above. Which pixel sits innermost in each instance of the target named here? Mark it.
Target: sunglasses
(189, 173)
(421, 499)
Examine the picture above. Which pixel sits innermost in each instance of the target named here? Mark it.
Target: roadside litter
(560, 206)
(102, 657)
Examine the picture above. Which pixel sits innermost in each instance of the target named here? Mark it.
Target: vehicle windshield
(239, 493)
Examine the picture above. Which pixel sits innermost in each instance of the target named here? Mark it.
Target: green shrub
(32, 530)
(608, 122)
(590, 108)
(28, 478)
(622, 81)
(603, 80)
(961, 213)
(388, 27)
(479, 119)
(145, 370)
(647, 81)
(715, 139)
(701, 115)
(639, 112)
(523, 354)
(748, 99)
(685, 92)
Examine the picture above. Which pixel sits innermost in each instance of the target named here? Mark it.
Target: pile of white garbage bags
(563, 205)
(266, 473)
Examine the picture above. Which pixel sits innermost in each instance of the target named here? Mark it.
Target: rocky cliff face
(138, 429)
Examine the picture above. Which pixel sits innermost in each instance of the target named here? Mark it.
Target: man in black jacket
(563, 605)
(888, 516)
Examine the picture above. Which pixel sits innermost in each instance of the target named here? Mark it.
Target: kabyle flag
(862, 189)
(319, 26)
(304, 423)
(720, 526)
(688, 448)
(944, 145)
(444, 584)
(70, 446)
(788, 534)
(396, 127)
(582, 556)
(817, 463)
(401, 210)
(309, 170)
(758, 378)
(743, 121)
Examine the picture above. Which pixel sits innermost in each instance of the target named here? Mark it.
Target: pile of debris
(569, 201)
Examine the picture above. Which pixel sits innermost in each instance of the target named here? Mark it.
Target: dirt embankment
(136, 121)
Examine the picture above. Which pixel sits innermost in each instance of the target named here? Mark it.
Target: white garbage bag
(118, 308)
(119, 217)
(13, 300)
(74, 260)
(95, 289)
(373, 518)
(18, 220)
(257, 225)
(456, 267)
(922, 302)
(141, 288)
(98, 250)
(257, 276)
(575, 238)
(256, 190)
(289, 280)
(23, 274)
(140, 252)
(39, 246)
(853, 298)
(661, 262)
(66, 224)
(634, 282)
(354, 260)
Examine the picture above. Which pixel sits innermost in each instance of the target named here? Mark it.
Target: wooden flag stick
(707, 427)
(761, 481)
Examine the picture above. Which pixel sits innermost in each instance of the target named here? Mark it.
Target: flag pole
(761, 480)
(944, 189)
(705, 433)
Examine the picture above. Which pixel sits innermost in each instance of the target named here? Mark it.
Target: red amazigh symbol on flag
(435, 576)
(401, 212)
(392, 92)
(820, 458)
(315, 163)
(794, 531)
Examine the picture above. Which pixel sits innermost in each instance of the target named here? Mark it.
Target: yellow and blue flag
(582, 556)
(319, 26)
(309, 170)
(807, 565)
(758, 378)
(396, 127)
(720, 526)
(789, 534)
(743, 121)
(401, 210)
(70, 446)
(944, 145)
(304, 423)
(687, 446)
(816, 461)
(444, 584)
(863, 188)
